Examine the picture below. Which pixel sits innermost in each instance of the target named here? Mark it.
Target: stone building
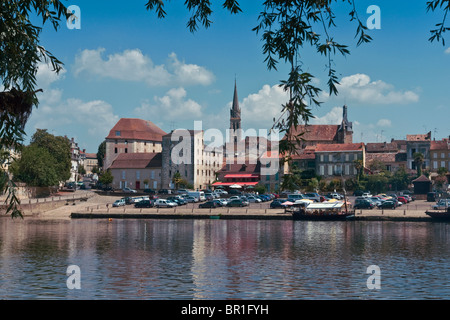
(132, 136)
(338, 160)
(137, 171)
(184, 152)
(418, 143)
(440, 154)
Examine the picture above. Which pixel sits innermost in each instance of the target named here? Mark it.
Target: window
(123, 174)
(118, 133)
(435, 165)
(322, 170)
(442, 155)
(126, 150)
(115, 150)
(138, 175)
(434, 155)
(152, 174)
(330, 170)
(443, 164)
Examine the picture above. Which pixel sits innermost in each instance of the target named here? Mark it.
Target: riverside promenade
(82, 205)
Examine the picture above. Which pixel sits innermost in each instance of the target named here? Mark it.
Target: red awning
(243, 175)
(215, 184)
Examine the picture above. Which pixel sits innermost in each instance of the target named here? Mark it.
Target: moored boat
(439, 214)
(322, 211)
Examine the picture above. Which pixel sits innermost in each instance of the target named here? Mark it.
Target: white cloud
(95, 117)
(173, 106)
(447, 51)
(384, 123)
(133, 65)
(359, 89)
(45, 75)
(332, 117)
(259, 109)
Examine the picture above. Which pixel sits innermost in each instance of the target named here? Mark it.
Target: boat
(324, 211)
(442, 215)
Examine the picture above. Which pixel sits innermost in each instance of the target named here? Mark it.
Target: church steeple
(235, 118)
(345, 131)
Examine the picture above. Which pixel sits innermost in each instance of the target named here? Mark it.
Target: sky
(124, 62)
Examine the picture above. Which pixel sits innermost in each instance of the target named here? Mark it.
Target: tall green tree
(21, 24)
(36, 167)
(418, 160)
(59, 149)
(45, 162)
(101, 153)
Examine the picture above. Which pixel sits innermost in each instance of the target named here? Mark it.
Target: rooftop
(340, 147)
(136, 129)
(137, 161)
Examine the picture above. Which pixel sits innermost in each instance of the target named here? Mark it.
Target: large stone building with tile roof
(131, 135)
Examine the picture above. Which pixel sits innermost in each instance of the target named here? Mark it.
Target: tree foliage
(20, 53)
(45, 162)
(101, 153)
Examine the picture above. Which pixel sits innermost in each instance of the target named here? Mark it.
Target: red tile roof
(340, 147)
(136, 129)
(418, 137)
(317, 132)
(137, 161)
(440, 145)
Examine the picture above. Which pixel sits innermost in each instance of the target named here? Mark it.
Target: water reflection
(222, 259)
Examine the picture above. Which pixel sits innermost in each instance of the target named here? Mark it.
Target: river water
(223, 259)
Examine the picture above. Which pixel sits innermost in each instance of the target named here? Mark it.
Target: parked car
(237, 203)
(163, 203)
(365, 204)
(389, 204)
(128, 190)
(208, 204)
(178, 200)
(441, 204)
(144, 204)
(165, 191)
(313, 196)
(182, 191)
(234, 198)
(278, 203)
(253, 199)
(191, 199)
(220, 202)
(119, 203)
(149, 191)
(402, 199)
(209, 196)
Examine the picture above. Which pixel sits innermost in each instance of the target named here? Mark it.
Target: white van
(200, 195)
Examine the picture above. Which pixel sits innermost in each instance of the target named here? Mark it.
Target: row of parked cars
(381, 201)
(237, 201)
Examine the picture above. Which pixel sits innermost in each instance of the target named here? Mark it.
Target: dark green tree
(418, 160)
(106, 178)
(20, 53)
(36, 167)
(101, 153)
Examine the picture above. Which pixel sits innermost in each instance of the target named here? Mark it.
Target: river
(223, 259)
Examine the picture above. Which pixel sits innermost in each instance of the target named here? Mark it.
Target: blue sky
(124, 62)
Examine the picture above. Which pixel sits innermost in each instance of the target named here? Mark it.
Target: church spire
(235, 110)
(235, 117)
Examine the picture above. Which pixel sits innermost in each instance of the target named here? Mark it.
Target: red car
(402, 199)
